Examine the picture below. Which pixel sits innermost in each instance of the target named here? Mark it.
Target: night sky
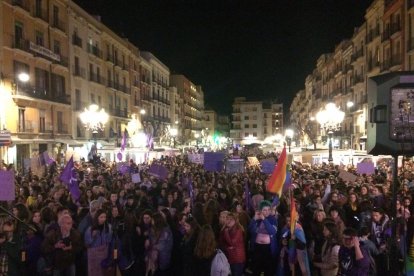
(261, 49)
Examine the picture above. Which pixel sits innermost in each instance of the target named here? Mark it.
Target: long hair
(237, 224)
(206, 243)
(159, 224)
(332, 240)
(95, 221)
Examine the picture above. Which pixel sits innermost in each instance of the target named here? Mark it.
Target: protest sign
(365, 168)
(268, 165)
(253, 161)
(136, 178)
(213, 161)
(347, 176)
(196, 158)
(158, 171)
(7, 187)
(235, 166)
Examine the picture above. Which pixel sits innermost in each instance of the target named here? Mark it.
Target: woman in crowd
(232, 242)
(328, 263)
(97, 240)
(204, 251)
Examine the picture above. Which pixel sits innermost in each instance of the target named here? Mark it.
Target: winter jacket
(232, 243)
(270, 223)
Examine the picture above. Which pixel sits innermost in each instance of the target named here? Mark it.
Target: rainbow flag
(293, 215)
(278, 177)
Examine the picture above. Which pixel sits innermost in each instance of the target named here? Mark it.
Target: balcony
(41, 14)
(78, 71)
(42, 94)
(95, 78)
(357, 54)
(76, 40)
(94, 50)
(25, 126)
(386, 35)
(62, 128)
(109, 58)
(395, 28)
(118, 112)
(46, 128)
(58, 24)
(410, 4)
(372, 34)
(396, 60)
(359, 78)
(21, 44)
(25, 5)
(385, 65)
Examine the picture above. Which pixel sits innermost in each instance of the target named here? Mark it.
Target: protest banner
(7, 187)
(365, 168)
(235, 166)
(213, 161)
(347, 176)
(136, 178)
(196, 158)
(268, 165)
(158, 171)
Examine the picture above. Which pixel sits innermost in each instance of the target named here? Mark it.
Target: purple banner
(213, 161)
(158, 171)
(268, 166)
(7, 188)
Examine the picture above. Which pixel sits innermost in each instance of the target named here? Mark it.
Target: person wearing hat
(263, 241)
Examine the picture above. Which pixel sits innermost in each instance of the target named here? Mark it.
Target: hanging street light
(94, 120)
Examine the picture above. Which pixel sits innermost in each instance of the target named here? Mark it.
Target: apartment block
(254, 121)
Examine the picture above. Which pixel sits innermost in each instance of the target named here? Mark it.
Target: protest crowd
(172, 216)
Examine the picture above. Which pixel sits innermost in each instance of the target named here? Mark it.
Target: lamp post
(196, 136)
(173, 132)
(94, 120)
(330, 119)
(289, 136)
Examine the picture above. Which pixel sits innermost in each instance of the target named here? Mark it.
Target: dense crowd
(175, 225)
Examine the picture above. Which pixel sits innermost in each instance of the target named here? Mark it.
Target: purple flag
(66, 174)
(124, 138)
(247, 196)
(158, 171)
(288, 182)
(47, 158)
(190, 189)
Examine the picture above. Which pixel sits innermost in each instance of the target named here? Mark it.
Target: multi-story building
(190, 122)
(253, 121)
(157, 119)
(35, 109)
(382, 44)
(70, 60)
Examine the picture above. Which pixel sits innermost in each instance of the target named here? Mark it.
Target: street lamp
(196, 136)
(173, 132)
(330, 119)
(289, 136)
(94, 120)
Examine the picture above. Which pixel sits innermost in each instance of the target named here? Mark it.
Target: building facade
(254, 121)
(382, 44)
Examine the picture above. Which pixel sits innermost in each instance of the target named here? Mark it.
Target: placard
(213, 161)
(347, 176)
(365, 168)
(7, 187)
(268, 165)
(196, 158)
(136, 178)
(253, 161)
(235, 166)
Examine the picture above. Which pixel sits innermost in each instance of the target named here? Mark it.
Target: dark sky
(261, 49)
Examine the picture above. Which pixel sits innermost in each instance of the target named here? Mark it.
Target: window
(55, 16)
(58, 85)
(93, 98)
(22, 123)
(60, 125)
(254, 134)
(246, 134)
(39, 38)
(254, 117)
(111, 102)
(42, 120)
(78, 100)
(56, 47)
(246, 126)
(41, 80)
(246, 117)
(20, 67)
(38, 8)
(254, 125)
(98, 74)
(18, 34)
(99, 100)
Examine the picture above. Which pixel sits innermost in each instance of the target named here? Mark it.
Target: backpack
(220, 265)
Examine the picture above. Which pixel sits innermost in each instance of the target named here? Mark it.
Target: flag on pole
(124, 140)
(278, 177)
(293, 215)
(69, 177)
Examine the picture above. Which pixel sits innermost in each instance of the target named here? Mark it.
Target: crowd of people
(174, 225)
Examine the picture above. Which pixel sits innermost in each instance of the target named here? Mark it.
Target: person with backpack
(204, 251)
(232, 243)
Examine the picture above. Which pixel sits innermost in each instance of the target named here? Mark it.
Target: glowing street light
(23, 77)
(173, 132)
(289, 135)
(330, 119)
(94, 120)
